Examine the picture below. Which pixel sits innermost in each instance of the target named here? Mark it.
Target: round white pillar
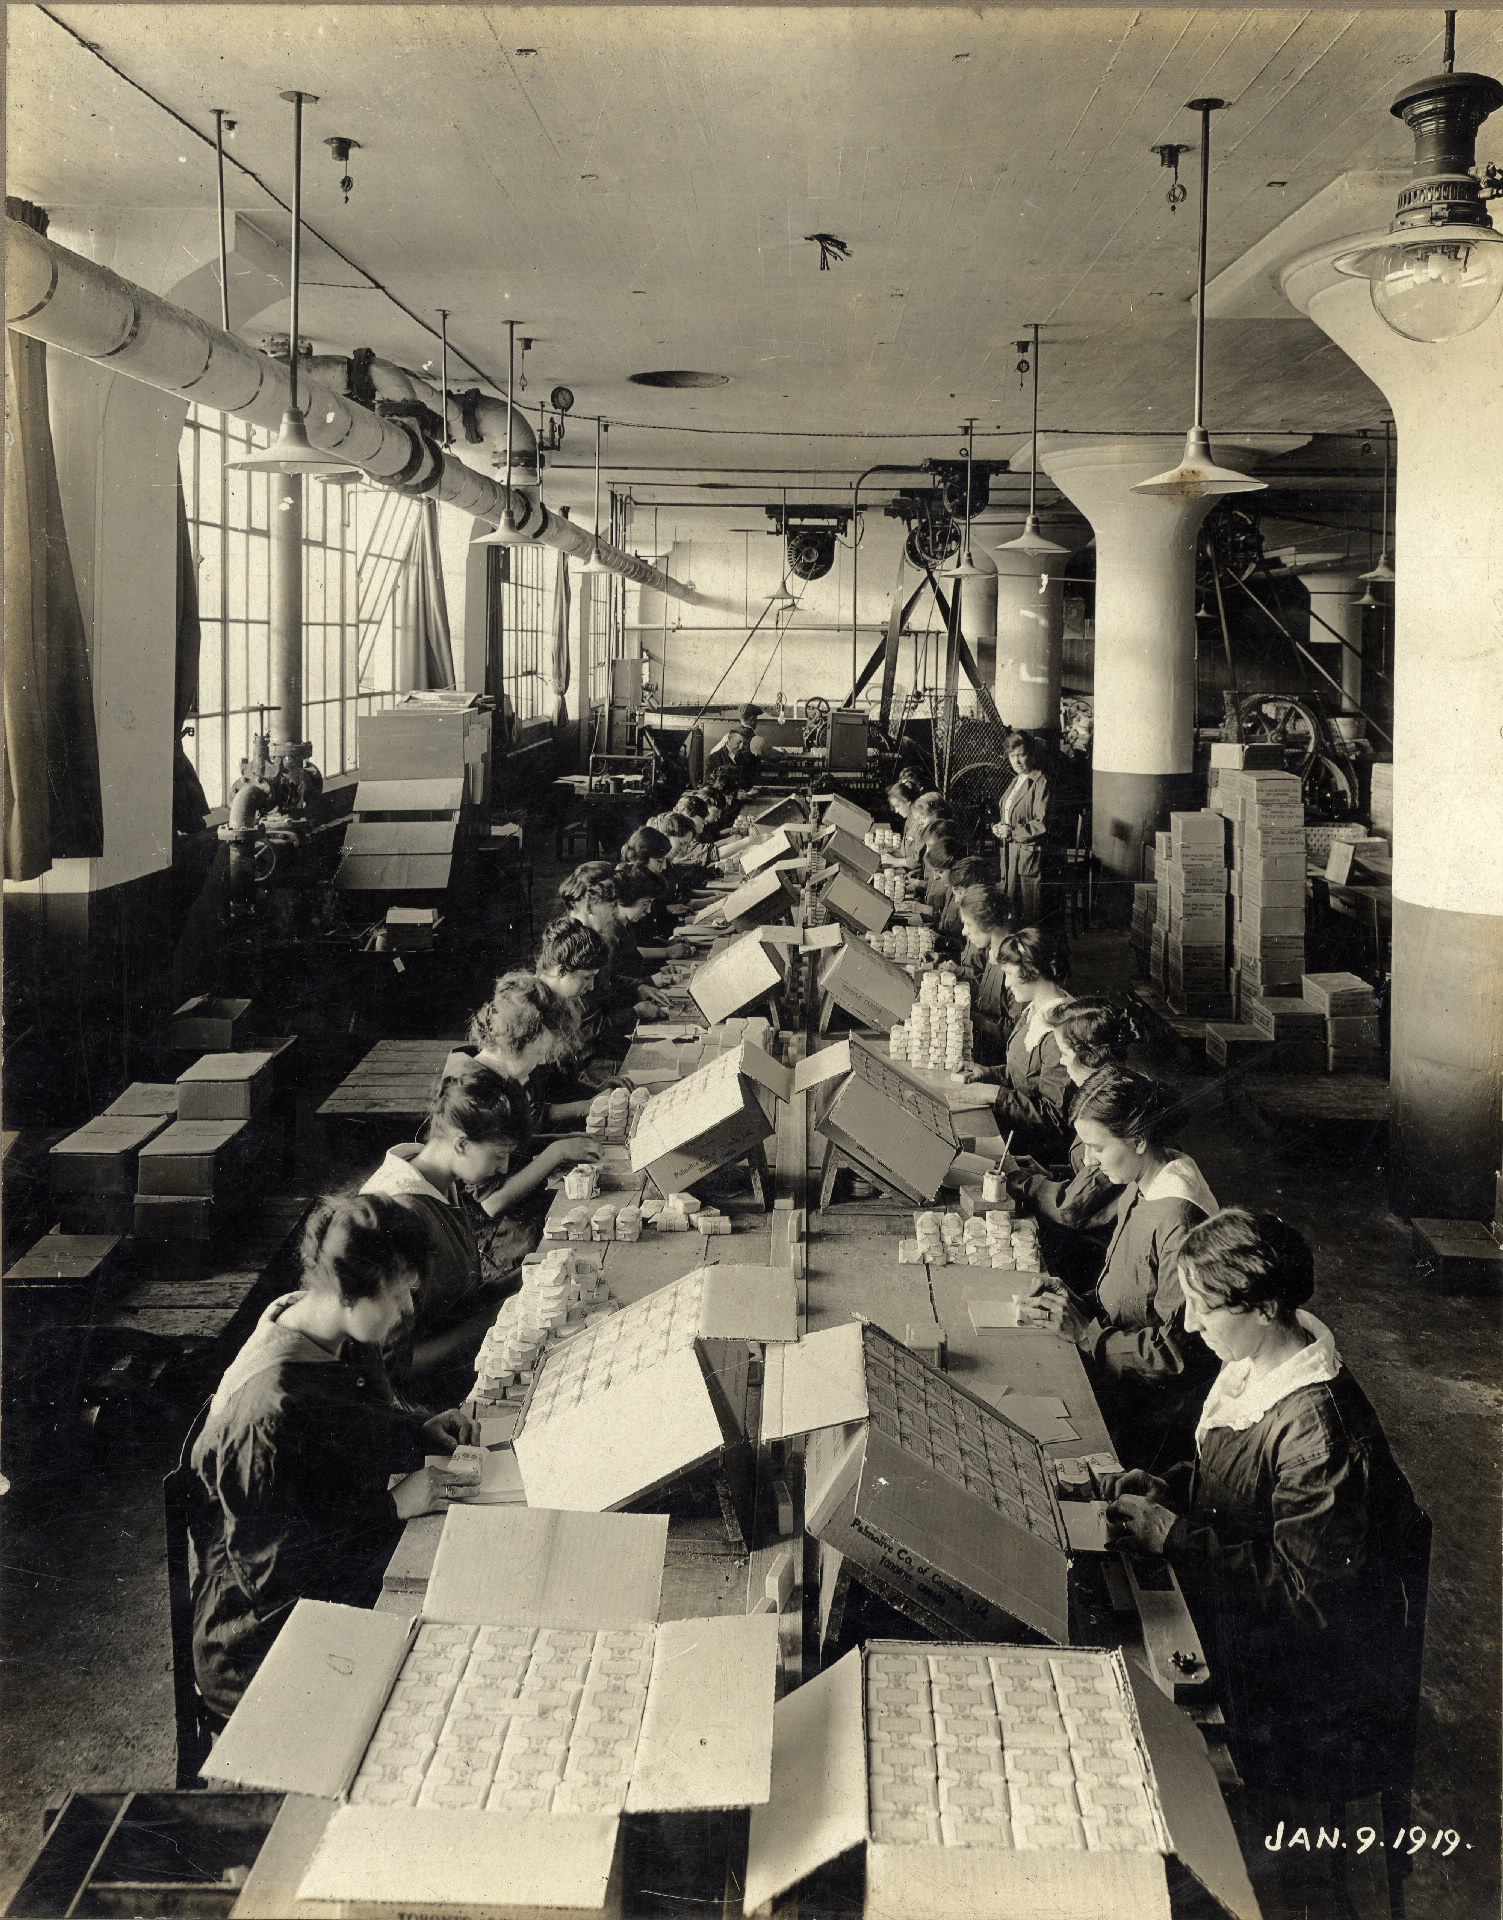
(1447, 401)
(1336, 624)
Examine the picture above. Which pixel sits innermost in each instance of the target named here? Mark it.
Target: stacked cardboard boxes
(1344, 1005)
(1193, 883)
(1156, 860)
(1145, 906)
(1266, 811)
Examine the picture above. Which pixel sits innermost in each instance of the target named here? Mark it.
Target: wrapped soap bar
(603, 1223)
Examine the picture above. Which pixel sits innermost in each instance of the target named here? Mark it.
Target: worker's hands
(570, 1150)
(450, 1430)
(999, 832)
(1133, 1520)
(981, 1076)
(1114, 1485)
(1055, 1310)
(429, 1490)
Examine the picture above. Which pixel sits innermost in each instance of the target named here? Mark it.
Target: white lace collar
(1239, 1402)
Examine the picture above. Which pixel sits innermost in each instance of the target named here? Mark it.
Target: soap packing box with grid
(871, 989)
(740, 975)
(854, 903)
(714, 1116)
(939, 1503)
(655, 1392)
(993, 1782)
(880, 1118)
(479, 1759)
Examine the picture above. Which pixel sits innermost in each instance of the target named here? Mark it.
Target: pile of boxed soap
(559, 1292)
(613, 1114)
(884, 839)
(995, 1239)
(938, 1031)
(623, 1219)
(892, 882)
(907, 945)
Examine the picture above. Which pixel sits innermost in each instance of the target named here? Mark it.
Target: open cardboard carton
(919, 1755)
(789, 811)
(765, 896)
(703, 1738)
(721, 1113)
(881, 1119)
(743, 973)
(868, 986)
(840, 812)
(940, 1503)
(781, 845)
(856, 905)
(655, 1392)
(847, 851)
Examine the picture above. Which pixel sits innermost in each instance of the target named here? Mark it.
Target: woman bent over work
(299, 1442)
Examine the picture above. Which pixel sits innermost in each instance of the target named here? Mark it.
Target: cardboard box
(882, 1119)
(174, 1217)
(923, 1756)
(849, 852)
(1260, 922)
(739, 976)
(664, 1719)
(1277, 1019)
(208, 1020)
(766, 896)
(1236, 1044)
(653, 1393)
(196, 1157)
(57, 1280)
(103, 1156)
(225, 1086)
(143, 1098)
(855, 905)
(790, 811)
(1234, 754)
(709, 1118)
(873, 990)
(1338, 994)
(839, 812)
(777, 846)
(939, 1503)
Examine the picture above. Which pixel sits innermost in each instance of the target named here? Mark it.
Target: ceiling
(635, 186)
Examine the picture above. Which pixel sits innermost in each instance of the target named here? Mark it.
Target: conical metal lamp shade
(291, 452)
(1197, 477)
(965, 568)
(782, 598)
(595, 564)
(1030, 540)
(504, 536)
(1369, 598)
(1382, 574)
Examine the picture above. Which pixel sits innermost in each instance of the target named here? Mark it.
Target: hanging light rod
(595, 564)
(1197, 477)
(1031, 541)
(1383, 572)
(965, 567)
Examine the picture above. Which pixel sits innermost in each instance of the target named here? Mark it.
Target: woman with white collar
(1293, 1532)
(1149, 1372)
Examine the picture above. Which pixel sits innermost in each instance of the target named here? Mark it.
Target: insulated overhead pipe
(74, 304)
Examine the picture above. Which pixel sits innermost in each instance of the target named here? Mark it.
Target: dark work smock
(450, 1289)
(1035, 1088)
(294, 1456)
(1302, 1555)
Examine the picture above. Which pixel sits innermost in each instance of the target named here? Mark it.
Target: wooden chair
(186, 1523)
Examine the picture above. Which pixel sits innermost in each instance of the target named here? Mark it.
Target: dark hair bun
(1246, 1260)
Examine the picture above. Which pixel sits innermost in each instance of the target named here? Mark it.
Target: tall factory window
(607, 631)
(519, 596)
(357, 546)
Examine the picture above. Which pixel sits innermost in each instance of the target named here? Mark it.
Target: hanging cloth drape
(424, 651)
(190, 806)
(562, 596)
(53, 806)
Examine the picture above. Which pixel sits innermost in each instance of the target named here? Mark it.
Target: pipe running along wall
(72, 303)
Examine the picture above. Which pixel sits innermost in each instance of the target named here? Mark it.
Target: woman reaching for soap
(294, 1453)
(1149, 1371)
(1023, 971)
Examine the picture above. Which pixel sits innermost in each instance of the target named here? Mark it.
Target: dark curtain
(53, 806)
(190, 806)
(562, 599)
(433, 647)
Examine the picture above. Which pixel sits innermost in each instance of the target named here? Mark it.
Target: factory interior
(753, 944)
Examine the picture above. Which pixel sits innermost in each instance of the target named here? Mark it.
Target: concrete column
(1447, 402)
(1333, 598)
(978, 604)
(1145, 637)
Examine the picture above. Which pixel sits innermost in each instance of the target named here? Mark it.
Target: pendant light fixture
(1382, 574)
(507, 533)
(595, 564)
(1030, 540)
(1197, 477)
(965, 567)
(291, 451)
(783, 598)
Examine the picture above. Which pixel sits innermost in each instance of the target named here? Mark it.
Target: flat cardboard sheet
(830, 1063)
(420, 1858)
(993, 1316)
(1085, 1525)
(819, 1382)
(745, 1302)
(818, 1807)
(308, 1714)
(609, 1449)
(820, 939)
(528, 1567)
(707, 1731)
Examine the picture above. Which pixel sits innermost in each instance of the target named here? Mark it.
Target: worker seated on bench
(301, 1438)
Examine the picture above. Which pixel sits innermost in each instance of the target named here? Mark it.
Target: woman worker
(1149, 1371)
(1030, 1101)
(300, 1439)
(1299, 1546)
(1022, 827)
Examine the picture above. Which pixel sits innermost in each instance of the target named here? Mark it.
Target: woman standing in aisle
(1149, 1371)
(1302, 1554)
(300, 1440)
(1022, 827)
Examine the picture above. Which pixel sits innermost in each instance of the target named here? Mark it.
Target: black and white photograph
(753, 962)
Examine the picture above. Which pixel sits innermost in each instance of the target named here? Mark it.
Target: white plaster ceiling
(636, 190)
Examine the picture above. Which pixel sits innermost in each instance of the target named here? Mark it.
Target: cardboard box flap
(828, 1064)
(819, 939)
(757, 1064)
(818, 1382)
(929, 1882)
(706, 1737)
(817, 1808)
(1190, 1798)
(421, 1858)
(308, 1714)
(775, 847)
(743, 1302)
(840, 812)
(226, 1066)
(532, 1567)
